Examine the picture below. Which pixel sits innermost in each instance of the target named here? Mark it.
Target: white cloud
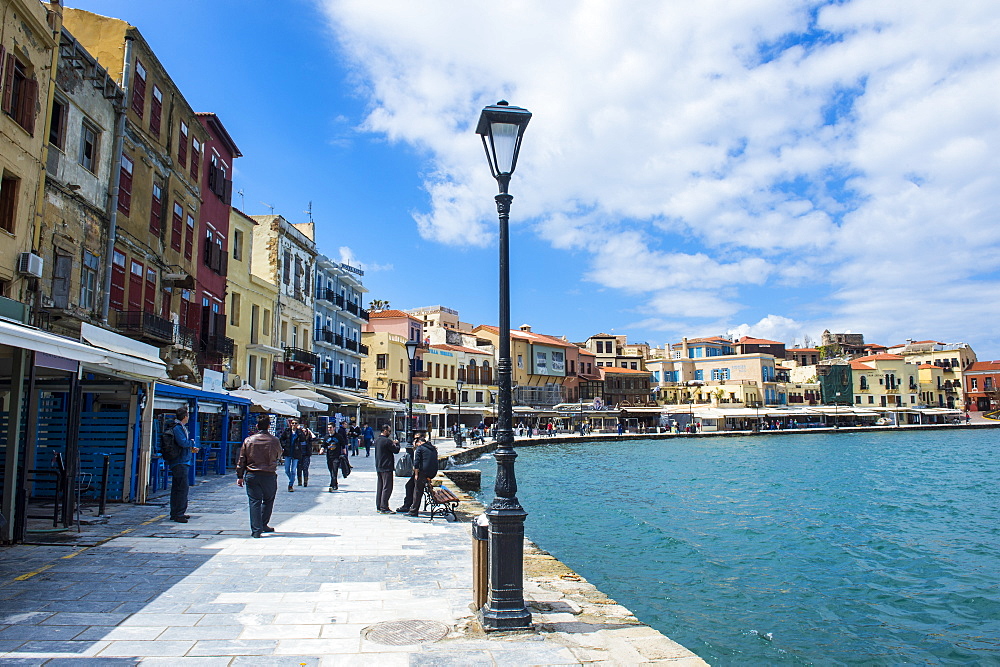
(858, 161)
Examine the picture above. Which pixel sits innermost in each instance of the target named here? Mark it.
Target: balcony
(338, 301)
(219, 346)
(327, 295)
(351, 383)
(364, 314)
(324, 336)
(145, 326)
(324, 377)
(351, 345)
(294, 355)
(338, 340)
(184, 337)
(363, 385)
(338, 380)
(362, 348)
(422, 374)
(293, 371)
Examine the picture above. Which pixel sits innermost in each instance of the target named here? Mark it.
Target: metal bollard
(480, 561)
(105, 470)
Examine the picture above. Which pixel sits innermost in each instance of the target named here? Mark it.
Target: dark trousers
(407, 498)
(303, 470)
(416, 493)
(383, 490)
(333, 465)
(368, 447)
(178, 490)
(261, 489)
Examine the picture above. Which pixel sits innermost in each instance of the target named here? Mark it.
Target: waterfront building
(385, 369)
(982, 386)
(253, 298)
(73, 234)
(30, 34)
(953, 358)
(748, 345)
(220, 151)
(697, 348)
(932, 386)
(626, 387)
(612, 350)
(539, 365)
(284, 253)
(731, 378)
(440, 318)
(340, 319)
(884, 380)
(583, 381)
(803, 356)
(155, 258)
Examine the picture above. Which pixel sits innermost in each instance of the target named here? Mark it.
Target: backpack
(169, 449)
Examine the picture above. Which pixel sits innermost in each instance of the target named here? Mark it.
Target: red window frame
(155, 111)
(149, 297)
(195, 158)
(125, 185)
(156, 210)
(177, 227)
(136, 273)
(139, 89)
(189, 238)
(117, 294)
(182, 145)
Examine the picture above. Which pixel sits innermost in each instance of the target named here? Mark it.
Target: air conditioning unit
(30, 264)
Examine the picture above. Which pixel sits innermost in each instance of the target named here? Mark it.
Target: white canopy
(305, 392)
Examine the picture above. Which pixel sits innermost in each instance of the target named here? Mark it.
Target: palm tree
(378, 304)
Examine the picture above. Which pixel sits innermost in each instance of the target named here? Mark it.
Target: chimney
(684, 348)
(525, 327)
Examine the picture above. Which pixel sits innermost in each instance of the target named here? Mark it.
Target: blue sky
(762, 167)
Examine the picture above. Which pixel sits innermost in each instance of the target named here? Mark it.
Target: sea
(874, 548)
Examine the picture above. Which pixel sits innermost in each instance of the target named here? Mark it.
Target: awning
(266, 402)
(379, 404)
(96, 359)
(343, 397)
(109, 340)
(302, 403)
(306, 392)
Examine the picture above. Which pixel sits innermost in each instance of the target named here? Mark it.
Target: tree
(378, 304)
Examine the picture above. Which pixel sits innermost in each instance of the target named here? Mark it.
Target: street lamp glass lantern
(501, 127)
(411, 349)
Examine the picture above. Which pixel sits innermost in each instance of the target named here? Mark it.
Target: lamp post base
(505, 608)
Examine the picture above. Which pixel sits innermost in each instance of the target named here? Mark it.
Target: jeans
(291, 465)
(303, 470)
(368, 446)
(261, 488)
(383, 490)
(178, 490)
(333, 465)
(353, 447)
(416, 495)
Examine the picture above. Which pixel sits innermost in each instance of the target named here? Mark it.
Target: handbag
(404, 465)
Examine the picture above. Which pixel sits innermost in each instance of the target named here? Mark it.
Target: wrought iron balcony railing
(145, 326)
(296, 355)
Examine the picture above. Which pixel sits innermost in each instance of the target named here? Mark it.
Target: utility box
(480, 561)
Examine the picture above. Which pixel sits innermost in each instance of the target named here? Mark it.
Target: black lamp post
(493, 397)
(501, 127)
(411, 353)
(458, 431)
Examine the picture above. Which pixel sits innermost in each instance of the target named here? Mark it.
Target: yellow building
(884, 380)
(252, 299)
(386, 368)
(951, 358)
(28, 48)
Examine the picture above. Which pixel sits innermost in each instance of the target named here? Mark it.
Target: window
(61, 269)
(254, 323)
(149, 299)
(634, 365)
(155, 112)
(195, 159)
(234, 309)
(117, 295)
(871, 399)
(720, 373)
(266, 324)
(139, 89)
(286, 267)
(238, 245)
(189, 238)
(9, 187)
(20, 94)
(57, 128)
(381, 361)
(520, 361)
(136, 271)
(177, 227)
(541, 362)
(988, 384)
(156, 210)
(479, 397)
(88, 280)
(88, 146)
(864, 382)
(182, 145)
(699, 374)
(125, 186)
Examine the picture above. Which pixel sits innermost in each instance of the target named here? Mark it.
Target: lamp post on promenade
(501, 127)
(493, 397)
(411, 353)
(458, 431)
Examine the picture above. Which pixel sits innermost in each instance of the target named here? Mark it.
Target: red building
(982, 386)
(216, 181)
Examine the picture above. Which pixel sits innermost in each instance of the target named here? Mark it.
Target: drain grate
(401, 633)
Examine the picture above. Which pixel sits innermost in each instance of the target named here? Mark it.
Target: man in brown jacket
(256, 469)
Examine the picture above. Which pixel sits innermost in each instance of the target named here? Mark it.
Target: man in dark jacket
(256, 469)
(180, 467)
(294, 440)
(425, 467)
(385, 462)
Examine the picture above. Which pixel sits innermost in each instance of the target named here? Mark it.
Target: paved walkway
(144, 589)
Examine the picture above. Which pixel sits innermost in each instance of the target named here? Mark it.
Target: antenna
(243, 201)
(309, 211)
(268, 206)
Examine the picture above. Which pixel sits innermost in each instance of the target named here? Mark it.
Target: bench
(439, 501)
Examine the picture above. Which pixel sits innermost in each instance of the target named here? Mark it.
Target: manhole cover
(401, 633)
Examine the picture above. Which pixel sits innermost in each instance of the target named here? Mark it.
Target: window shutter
(125, 191)
(138, 90)
(29, 104)
(212, 172)
(3, 79)
(195, 162)
(220, 324)
(228, 193)
(8, 87)
(224, 264)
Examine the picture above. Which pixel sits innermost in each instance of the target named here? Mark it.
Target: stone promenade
(141, 589)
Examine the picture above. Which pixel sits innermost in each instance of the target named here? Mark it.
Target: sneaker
(413, 514)
(179, 519)
(386, 512)
(291, 488)
(305, 483)
(255, 535)
(267, 529)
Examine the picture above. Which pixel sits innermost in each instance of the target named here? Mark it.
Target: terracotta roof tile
(880, 357)
(458, 348)
(858, 366)
(390, 313)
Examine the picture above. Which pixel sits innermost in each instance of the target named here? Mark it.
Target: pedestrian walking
(425, 467)
(180, 466)
(257, 470)
(293, 441)
(334, 450)
(368, 435)
(354, 438)
(385, 463)
(305, 458)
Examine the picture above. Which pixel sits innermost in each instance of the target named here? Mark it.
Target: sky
(770, 168)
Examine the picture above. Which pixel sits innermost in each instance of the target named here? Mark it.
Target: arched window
(864, 382)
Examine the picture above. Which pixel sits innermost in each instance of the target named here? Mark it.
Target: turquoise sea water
(841, 548)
